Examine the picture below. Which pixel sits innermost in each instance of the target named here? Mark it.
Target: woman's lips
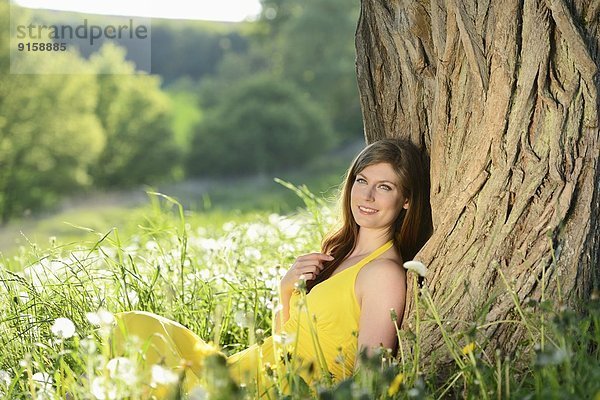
(367, 210)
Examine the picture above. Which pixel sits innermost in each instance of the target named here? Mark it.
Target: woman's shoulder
(381, 278)
(382, 269)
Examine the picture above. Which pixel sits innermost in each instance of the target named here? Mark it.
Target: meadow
(217, 273)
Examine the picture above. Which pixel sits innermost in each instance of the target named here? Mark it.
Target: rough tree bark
(503, 96)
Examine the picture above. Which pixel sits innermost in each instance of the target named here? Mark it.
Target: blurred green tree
(307, 48)
(49, 133)
(192, 49)
(316, 50)
(260, 125)
(135, 115)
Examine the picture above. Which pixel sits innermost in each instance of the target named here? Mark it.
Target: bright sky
(213, 10)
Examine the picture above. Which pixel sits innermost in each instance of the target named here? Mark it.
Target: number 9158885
(42, 46)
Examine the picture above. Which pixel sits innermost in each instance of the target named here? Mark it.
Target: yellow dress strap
(376, 253)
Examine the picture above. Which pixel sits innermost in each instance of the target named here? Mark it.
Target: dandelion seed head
(151, 245)
(208, 244)
(101, 318)
(26, 361)
(122, 368)
(288, 227)
(43, 380)
(5, 378)
(87, 345)
(102, 389)
(198, 393)
(254, 232)
(286, 248)
(163, 376)
(24, 297)
(252, 253)
(133, 297)
(63, 328)
(278, 308)
(284, 339)
(227, 226)
(416, 267)
(242, 319)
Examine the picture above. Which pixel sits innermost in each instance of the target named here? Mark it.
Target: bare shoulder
(381, 272)
(381, 281)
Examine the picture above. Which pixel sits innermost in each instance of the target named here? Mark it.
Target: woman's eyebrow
(388, 182)
(381, 181)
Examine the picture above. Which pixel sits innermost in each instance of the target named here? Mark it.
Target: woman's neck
(369, 240)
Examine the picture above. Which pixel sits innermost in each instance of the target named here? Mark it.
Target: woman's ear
(405, 205)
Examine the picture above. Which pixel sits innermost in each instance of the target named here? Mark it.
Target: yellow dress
(319, 339)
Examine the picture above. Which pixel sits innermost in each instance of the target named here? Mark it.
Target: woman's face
(376, 199)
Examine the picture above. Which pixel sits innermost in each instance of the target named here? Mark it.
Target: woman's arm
(305, 267)
(380, 287)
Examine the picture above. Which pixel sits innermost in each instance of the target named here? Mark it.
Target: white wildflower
(289, 227)
(277, 308)
(204, 274)
(255, 231)
(102, 389)
(26, 361)
(5, 378)
(199, 393)
(122, 368)
(242, 319)
(287, 249)
(227, 227)
(45, 273)
(163, 376)
(24, 297)
(416, 267)
(284, 339)
(101, 318)
(252, 253)
(133, 297)
(208, 244)
(107, 252)
(151, 245)
(88, 345)
(63, 328)
(43, 380)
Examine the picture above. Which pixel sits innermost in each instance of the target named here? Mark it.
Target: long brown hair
(412, 227)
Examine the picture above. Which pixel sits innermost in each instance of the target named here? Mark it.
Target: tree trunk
(503, 96)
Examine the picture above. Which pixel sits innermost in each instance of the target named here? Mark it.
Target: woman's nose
(368, 193)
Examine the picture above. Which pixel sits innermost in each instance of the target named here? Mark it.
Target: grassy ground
(214, 266)
(219, 276)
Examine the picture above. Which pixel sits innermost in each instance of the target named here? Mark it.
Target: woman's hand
(306, 267)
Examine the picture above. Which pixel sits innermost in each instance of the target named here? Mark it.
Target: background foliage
(221, 99)
(249, 121)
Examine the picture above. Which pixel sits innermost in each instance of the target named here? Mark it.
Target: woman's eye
(385, 187)
(361, 180)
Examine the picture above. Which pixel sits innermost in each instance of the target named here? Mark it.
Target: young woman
(351, 284)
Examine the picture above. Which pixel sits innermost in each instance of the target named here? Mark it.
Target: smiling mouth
(367, 210)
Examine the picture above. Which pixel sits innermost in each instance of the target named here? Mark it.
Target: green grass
(214, 271)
